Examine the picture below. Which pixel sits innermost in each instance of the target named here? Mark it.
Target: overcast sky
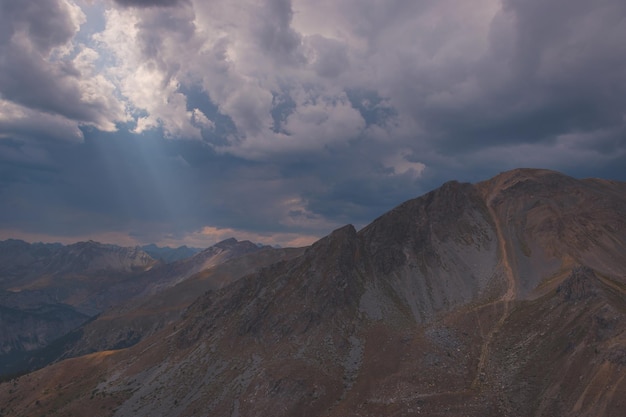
(191, 121)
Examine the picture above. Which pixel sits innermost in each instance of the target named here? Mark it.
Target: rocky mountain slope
(171, 274)
(47, 290)
(141, 316)
(55, 288)
(82, 275)
(506, 297)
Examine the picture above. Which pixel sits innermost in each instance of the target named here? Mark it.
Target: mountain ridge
(505, 297)
(79, 281)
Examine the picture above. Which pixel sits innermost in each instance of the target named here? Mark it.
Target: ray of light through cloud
(184, 121)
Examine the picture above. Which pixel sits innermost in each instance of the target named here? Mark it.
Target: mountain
(86, 257)
(506, 297)
(134, 305)
(141, 316)
(28, 330)
(84, 275)
(21, 261)
(18, 258)
(15, 252)
(167, 254)
(168, 275)
(48, 290)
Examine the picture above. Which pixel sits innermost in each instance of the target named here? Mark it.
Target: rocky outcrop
(579, 285)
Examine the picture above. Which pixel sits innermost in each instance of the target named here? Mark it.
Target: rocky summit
(502, 298)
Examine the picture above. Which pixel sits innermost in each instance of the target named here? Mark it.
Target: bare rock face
(580, 285)
(552, 223)
(434, 252)
(507, 297)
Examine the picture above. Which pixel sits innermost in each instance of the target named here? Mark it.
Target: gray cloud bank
(285, 118)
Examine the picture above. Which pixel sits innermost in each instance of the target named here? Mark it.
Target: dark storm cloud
(306, 115)
(145, 185)
(349, 184)
(110, 180)
(27, 80)
(331, 56)
(29, 31)
(553, 68)
(106, 184)
(158, 30)
(46, 22)
(272, 28)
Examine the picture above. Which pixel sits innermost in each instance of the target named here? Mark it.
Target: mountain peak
(446, 305)
(227, 242)
(347, 230)
(339, 246)
(524, 174)
(524, 182)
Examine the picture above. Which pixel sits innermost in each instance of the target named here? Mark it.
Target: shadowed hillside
(506, 297)
(119, 295)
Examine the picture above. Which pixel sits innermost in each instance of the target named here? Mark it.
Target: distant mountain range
(502, 298)
(49, 290)
(167, 254)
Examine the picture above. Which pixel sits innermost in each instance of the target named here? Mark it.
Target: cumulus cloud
(308, 114)
(460, 74)
(42, 69)
(401, 163)
(547, 72)
(198, 118)
(272, 30)
(24, 123)
(327, 56)
(146, 68)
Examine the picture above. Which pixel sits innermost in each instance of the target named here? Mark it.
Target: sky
(191, 121)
